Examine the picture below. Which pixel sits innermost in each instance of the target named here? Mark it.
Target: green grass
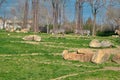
(18, 63)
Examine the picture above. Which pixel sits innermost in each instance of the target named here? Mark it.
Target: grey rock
(95, 43)
(106, 43)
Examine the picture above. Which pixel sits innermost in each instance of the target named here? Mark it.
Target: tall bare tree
(96, 5)
(1, 2)
(79, 12)
(55, 7)
(25, 19)
(58, 13)
(113, 17)
(35, 8)
(62, 6)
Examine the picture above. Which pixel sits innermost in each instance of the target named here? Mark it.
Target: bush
(105, 33)
(69, 32)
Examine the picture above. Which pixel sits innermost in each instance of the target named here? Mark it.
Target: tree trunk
(4, 20)
(35, 4)
(25, 20)
(94, 26)
(55, 16)
(54, 19)
(78, 17)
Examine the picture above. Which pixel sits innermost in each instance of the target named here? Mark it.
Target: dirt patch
(75, 74)
(26, 42)
(62, 77)
(112, 68)
(30, 42)
(7, 55)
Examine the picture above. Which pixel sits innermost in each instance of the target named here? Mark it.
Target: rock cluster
(90, 55)
(82, 57)
(97, 44)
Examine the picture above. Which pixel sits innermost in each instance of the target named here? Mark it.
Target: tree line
(54, 12)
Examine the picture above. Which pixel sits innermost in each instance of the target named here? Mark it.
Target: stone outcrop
(97, 56)
(116, 58)
(100, 57)
(97, 44)
(86, 51)
(32, 38)
(83, 57)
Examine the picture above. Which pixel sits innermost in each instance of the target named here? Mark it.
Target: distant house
(13, 24)
(2, 24)
(17, 24)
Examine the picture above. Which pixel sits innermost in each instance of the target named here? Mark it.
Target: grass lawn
(29, 60)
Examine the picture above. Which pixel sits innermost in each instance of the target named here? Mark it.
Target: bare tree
(55, 6)
(4, 19)
(62, 6)
(35, 8)
(25, 19)
(1, 2)
(113, 17)
(58, 13)
(79, 12)
(19, 12)
(96, 5)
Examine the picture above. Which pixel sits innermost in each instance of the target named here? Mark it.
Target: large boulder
(86, 54)
(86, 57)
(32, 38)
(86, 51)
(77, 57)
(95, 43)
(116, 58)
(37, 38)
(100, 57)
(69, 56)
(106, 43)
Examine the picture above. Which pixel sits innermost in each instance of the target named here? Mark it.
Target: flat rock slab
(86, 51)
